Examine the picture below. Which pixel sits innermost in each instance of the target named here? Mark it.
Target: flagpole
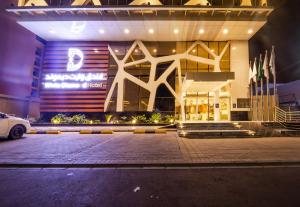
(262, 99)
(256, 94)
(268, 95)
(272, 66)
(251, 90)
(267, 75)
(261, 78)
(256, 88)
(274, 77)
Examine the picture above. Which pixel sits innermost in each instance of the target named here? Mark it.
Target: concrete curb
(105, 131)
(158, 165)
(96, 132)
(44, 132)
(150, 131)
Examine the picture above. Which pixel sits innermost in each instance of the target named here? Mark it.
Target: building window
(243, 103)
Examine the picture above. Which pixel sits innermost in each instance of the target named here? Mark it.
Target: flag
(265, 66)
(272, 62)
(254, 72)
(260, 71)
(250, 73)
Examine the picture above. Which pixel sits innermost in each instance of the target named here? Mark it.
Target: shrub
(155, 118)
(108, 117)
(169, 119)
(78, 119)
(139, 119)
(59, 119)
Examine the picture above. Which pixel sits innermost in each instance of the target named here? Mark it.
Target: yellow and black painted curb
(149, 131)
(44, 132)
(96, 132)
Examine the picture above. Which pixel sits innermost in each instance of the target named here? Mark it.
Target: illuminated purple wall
(17, 48)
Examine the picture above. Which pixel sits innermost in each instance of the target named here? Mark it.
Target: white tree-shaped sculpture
(85, 2)
(153, 84)
(197, 2)
(32, 2)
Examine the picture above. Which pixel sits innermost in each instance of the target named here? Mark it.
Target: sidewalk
(128, 148)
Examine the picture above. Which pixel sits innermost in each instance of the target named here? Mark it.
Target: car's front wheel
(16, 132)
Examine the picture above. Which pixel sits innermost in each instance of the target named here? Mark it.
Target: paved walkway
(128, 148)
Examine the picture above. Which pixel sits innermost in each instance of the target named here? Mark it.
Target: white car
(13, 127)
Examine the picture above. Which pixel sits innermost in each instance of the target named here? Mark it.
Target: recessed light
(176, 31)
(250, 31)
(225, 31)
(201, 31)
(151, 31)
(52, 31)
(194, 50)
(126, 31)
(116, 50)
(173, 50)
(101, 31)
(154, 50)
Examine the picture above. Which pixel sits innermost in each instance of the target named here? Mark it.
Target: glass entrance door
(201, 107)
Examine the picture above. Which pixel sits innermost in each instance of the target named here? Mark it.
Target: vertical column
(197, 107)
(217, 106)
(120, 98)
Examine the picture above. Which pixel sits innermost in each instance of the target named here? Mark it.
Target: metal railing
(286, 118)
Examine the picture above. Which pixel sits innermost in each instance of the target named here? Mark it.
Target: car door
(3, 124)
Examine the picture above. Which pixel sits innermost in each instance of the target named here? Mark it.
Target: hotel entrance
(206, 96)
(206, 107)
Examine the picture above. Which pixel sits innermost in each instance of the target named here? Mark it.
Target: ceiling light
(233, 48)
(201, 31)
(225, 31)
(101, 31)
(176, 31)
(96, 50)
(250, 31)
(212, 50)
(116, 50)
(194, 50)
(52, 31)
(154, 50)
(173, 50)
(136, 50)
(126, 31)
(151, 31)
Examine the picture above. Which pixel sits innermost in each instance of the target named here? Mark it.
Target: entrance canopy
(206, 81)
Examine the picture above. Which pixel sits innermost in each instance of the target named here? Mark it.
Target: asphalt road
(207, 187)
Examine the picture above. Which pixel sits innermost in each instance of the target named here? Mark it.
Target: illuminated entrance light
(151, 31)
(72, 53)
(82, 77)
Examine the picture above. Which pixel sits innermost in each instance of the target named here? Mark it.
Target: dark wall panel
(96, 60)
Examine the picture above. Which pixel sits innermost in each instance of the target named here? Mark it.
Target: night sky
(282, 31)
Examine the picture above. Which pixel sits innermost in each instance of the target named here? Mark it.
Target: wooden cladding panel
(96, 60)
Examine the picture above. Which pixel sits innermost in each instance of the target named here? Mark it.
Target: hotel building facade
(188, 58)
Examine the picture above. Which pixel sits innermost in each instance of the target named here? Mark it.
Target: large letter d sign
(72, 66)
